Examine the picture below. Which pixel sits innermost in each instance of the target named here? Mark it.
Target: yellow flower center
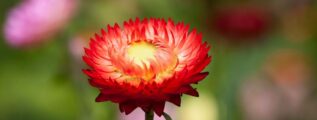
(141, 52)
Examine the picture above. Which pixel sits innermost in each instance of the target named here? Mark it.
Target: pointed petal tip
(192, 92)
(176, 100)
(128, 108)
(159, 108)
(101, 98)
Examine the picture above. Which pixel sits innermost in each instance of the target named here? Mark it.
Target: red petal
(101, 98)
(114, 98)
(109, 91)
(94, 83)
(145, 105)
(90, 73)
(198, 77)
(128, 108)
(192, 92)
(189, 90)
(88, 60)
(117, 99)
(159, 108)
(121, 107)
(175, 99)
(185, 88)
(202, 64)
(145, 108)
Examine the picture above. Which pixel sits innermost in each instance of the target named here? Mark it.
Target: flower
(33, 21)
(241, 22)
(146, 63)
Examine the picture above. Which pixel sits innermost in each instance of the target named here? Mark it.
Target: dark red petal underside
(114, 98)
(189, 90)
(175, 99)
(127, 108)
(159, 108)
(101, 98)
(198, 77)
(192, 92)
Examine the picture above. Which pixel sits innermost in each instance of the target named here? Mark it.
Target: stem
(166, 116)
(149, 115)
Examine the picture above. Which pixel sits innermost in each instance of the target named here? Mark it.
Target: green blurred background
(46, 82)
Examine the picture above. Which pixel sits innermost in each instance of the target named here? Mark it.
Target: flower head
(33, 21)
(146, 63)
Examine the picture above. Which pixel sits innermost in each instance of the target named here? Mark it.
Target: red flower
(241, 22)
(146, 63)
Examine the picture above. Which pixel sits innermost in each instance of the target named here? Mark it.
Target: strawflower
(146, 63)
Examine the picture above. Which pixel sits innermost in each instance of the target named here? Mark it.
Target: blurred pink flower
(33, 21)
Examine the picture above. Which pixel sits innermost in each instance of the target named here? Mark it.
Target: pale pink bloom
(33, 21)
